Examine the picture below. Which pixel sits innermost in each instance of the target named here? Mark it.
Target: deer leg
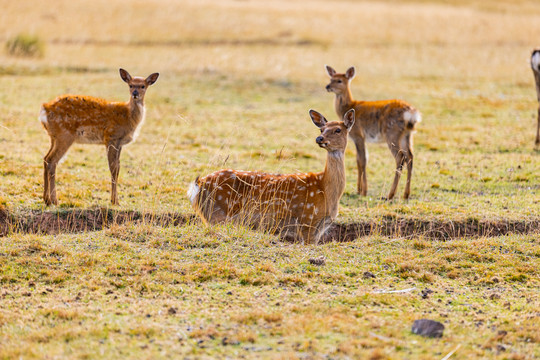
(113, 155)
(409, 159)
(46, 189)
(361, 161)
(400, 159)
(537, 142)
(57, 151)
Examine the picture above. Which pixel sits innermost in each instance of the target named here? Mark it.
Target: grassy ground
(237, 79)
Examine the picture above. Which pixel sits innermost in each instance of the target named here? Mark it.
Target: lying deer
(535, 64)
(390, 121)
(301, 206)
(87, 120)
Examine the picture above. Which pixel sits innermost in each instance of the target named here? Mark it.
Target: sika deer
(87, 120)
(535, 65)
(301, 206)
(390, 121)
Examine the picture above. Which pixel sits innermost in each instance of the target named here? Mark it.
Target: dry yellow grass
(237, 79)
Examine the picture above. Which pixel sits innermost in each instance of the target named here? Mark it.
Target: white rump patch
(412, 116)
(535, 61)
(43, 116)
(192, 192)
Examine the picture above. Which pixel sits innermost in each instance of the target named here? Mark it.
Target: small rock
(171, 311)
(501, 347)
(429, 328)
(229, 292)
(320, 261)
(368, 275)
(425, 293)
(494, 296)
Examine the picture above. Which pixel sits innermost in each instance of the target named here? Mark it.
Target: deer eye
(142, 86)
(339, 81)
(131, 86)
(338, 131)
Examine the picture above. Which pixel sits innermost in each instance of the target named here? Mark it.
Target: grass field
(237, 81)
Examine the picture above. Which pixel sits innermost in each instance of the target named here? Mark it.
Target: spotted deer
(297, 206)
(535, 65)
(390, 121)
(88, 120)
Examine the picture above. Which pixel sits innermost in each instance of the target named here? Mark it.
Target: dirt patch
(77, 221)
(434, 229)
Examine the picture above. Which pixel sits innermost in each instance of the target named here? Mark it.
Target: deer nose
(135, 93)
(319, 139)
(327, 87)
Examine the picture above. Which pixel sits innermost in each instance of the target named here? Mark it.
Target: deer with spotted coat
(535, 65)
(297, 206)
(390, 121)
(88, 120)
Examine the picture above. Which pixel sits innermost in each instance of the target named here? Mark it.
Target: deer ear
(350, 73)
(152, 79)
(330, 70)
(125, 75)
(348, 119)
(317, 118)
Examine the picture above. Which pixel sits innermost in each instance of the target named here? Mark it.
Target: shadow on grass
(82, 220)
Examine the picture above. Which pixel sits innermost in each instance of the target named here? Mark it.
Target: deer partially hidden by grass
(390, 121)
(297, 206)
(535, 64)
(88, 120)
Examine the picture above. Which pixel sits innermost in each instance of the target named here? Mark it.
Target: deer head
(333, 134)
(339, 83)
(138, 85)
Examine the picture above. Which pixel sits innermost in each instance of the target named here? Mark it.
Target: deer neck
(333, 180)
(343, 102)
(136, 111)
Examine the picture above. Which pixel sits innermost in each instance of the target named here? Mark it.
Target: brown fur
(301, 206)
(376, 121)
(88, 120)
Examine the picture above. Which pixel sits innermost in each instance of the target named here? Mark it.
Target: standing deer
(535, 64)
(301, 206)
(390, 121)
(87, 120)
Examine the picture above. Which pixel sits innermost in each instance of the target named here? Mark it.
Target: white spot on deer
(308, 206)
(311, 194)
(219, 197)
(43, 116)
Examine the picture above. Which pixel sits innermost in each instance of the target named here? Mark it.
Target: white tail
(83, 119)
(535, 65)
(301, 206)
(390, 121)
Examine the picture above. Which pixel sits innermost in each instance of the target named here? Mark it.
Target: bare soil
(76, 221)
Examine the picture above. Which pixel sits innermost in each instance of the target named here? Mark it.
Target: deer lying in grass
(390, 121)
(535, 64)
(301, 206)
(87, 120)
